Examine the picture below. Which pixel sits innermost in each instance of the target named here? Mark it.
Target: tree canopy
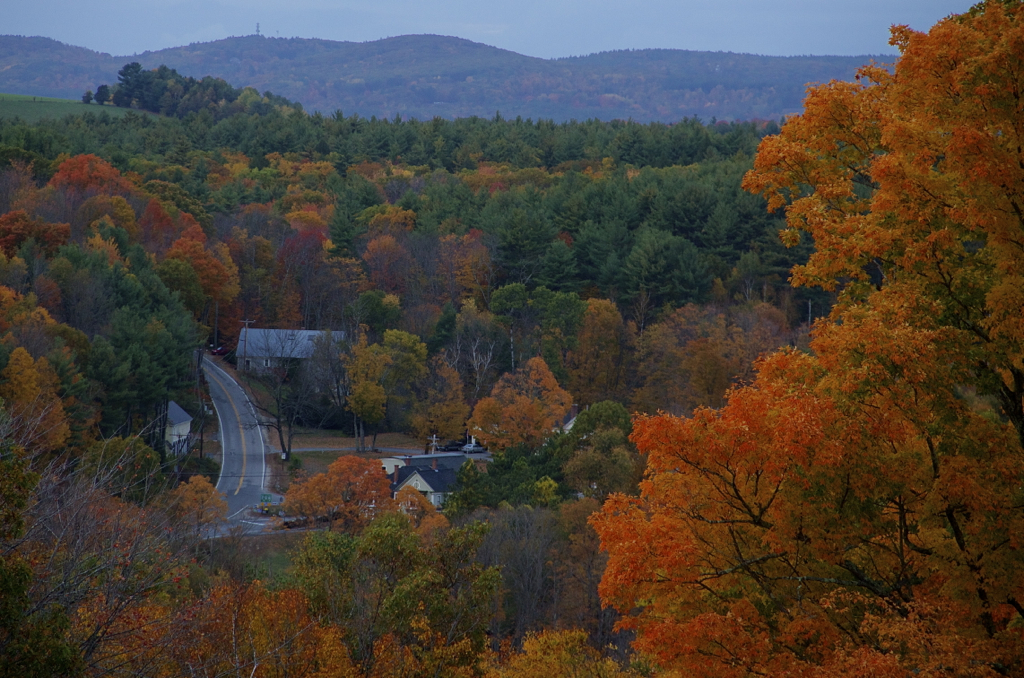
(854, 511)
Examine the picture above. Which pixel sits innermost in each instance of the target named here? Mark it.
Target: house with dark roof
(435, 475)
(452, 460)
(435, 483)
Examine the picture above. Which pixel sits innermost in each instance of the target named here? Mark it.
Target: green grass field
(32, 109)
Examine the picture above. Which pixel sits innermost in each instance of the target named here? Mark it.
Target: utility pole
(245, 349)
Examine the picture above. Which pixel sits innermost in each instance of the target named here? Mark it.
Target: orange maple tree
(197, 504)
(524, 407)
(351, 492)
(249, 630)
(218, 274)
(83, 174)
(858, 512)
(440, 408)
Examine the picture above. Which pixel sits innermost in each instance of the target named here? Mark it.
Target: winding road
(243, 465)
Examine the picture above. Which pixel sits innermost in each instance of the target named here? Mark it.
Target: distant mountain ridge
(424, 76)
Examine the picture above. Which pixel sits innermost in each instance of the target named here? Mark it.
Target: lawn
(322, 448)
(31, 109)
(326, 439)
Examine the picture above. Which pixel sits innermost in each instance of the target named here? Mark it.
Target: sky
(540, 28)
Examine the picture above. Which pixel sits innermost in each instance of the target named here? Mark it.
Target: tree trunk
(280, 438)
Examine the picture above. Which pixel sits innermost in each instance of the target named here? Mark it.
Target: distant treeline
(165, 91)
(215, 115)
(424, 76)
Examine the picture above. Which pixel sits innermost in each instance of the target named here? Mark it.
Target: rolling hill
(424, 76)
(31, 108)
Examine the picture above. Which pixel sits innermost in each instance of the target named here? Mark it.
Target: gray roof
(264, 343)
(441, 480)
(452, 460)
(176, 415)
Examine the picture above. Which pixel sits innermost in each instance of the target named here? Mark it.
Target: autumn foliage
(556, 654)
(811, 480)
(17, 227)
(30, 392)
(217, 273)
(84, 174)
(524, 407)
(856, 512)
(350, 493)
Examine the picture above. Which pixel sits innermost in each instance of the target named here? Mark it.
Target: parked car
(451, 446)
(473, 448)
(220, 350)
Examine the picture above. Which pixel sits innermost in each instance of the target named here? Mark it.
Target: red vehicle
(222, 350)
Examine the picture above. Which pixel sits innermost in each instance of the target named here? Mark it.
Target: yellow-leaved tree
(198, 505)
(29, 389)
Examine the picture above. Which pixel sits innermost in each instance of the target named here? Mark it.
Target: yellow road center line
(241, 431)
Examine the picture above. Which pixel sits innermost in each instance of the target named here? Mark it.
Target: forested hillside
(424, 76)
(741, 494)
(492, 232)
(481, 274)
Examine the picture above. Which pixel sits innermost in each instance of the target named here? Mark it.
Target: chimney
(396, 474)
(433, 464)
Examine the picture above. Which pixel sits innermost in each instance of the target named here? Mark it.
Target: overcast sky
(542, 28)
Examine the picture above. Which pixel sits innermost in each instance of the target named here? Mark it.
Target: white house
(178, 431)
(434, 475)
(435, 483)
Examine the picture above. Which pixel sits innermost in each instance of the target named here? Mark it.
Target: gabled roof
(449, 460)
(176, 415)
(266, 343)
(441, 480)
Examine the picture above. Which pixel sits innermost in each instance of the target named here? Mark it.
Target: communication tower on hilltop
(257, 28)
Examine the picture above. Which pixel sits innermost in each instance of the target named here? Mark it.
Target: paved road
(243, 468)
(396, 450)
